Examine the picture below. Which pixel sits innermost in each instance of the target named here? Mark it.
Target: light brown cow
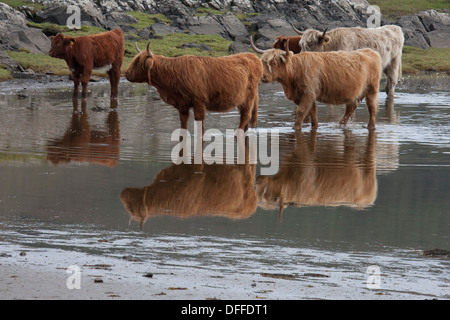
(202, 83)
(340, 171)
(329, 77)
(192, 190)
(387, 41)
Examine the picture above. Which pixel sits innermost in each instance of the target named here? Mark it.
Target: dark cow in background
(202, 83)
(294, 43)
(329, 77)
(103, 51)
(387, 41)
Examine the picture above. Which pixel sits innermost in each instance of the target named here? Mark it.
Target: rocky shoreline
(233, 20)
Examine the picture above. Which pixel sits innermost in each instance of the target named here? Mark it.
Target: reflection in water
(323, 173)
(189, 190)
(82, 144)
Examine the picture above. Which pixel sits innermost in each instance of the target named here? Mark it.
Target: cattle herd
(341, 66)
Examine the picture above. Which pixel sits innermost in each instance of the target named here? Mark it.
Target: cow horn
(254, 47)
(149, 53)
(298, 31)
(287, 47)
(137, 48)
(323, 35)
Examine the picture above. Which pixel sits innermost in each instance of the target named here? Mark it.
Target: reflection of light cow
(328, 173)
(202, 83)
(328, 77)
(387, 41)
(294, 43)
(189, 190)
(82, 144)
(86, 53)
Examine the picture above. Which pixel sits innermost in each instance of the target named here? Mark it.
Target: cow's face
(59, 44)
(274, 64)
(313, 40)
(280, 43)
(139, 68)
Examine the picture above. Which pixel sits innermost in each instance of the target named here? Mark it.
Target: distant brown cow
(103, 51)
(202, 83)
(294, 43)
(193, 190)
(329, 77)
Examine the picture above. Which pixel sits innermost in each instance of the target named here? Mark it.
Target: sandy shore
(35, 274)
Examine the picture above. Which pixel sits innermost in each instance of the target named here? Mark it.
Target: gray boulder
(15, 34)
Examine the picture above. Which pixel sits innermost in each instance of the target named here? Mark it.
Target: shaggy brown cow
(192, 190)
(294, 43)
(103, 51)
(387, 41)
(329, 77)
(323, 172)
(202, 83)
(82, 144)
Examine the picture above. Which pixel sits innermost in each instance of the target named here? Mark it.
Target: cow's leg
(76, 85)
(313, 115)
(392, 73)
(114, 78)
(303, 108)
(254, 118)
(349, 110)
(199, 115)
(184, 117)
(84, 78)
(372, 107)
(245, 112)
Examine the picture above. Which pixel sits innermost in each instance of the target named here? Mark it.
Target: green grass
(39, 62)
(392, 9)
(147, 19)
(433, 59)
(168, 45)
(4, 74)
(18, 3)
(202, 11)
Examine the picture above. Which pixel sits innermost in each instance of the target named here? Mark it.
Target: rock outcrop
(233, 20)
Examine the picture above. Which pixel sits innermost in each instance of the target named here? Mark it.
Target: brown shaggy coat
(86, 53)
(329, 77)
(202, 83)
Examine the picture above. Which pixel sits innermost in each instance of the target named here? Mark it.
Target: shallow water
(344, 199)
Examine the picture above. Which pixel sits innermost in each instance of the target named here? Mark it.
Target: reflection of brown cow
(82, 144)
(86, 53)
(189, 190)
(331, 173)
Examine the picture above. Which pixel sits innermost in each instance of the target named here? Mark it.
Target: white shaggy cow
(387, 41)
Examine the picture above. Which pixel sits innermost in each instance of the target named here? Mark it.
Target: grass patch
(39, 62)
(4, 74)
(392, 9)
(147, 19)
(19, 3)
(168, 45)
(433, 59)
(202, 11)
(49, 29)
